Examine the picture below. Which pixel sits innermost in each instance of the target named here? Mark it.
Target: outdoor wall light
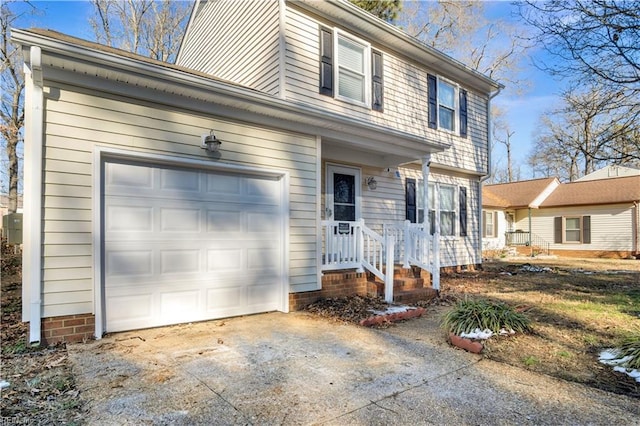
(210, 142)
(372, 183)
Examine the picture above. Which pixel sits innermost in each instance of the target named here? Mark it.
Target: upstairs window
(350, 70)
(447, 106)
(351, 61)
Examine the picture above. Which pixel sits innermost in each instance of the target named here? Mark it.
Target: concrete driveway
(299, 369)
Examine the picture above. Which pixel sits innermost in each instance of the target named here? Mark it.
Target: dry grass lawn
(578, 307)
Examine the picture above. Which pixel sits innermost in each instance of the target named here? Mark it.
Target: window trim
(435, 188)
(485, 229)
(367, 84)
(580, 230)
(456, 104)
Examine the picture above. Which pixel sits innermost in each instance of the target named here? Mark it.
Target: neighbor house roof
(590, 192)
(521, 194)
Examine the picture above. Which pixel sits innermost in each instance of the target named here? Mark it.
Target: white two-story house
(291, 139)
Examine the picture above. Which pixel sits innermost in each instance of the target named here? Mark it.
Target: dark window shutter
(432, 222)
(495, 224)
(463, 211)
(484, 223)
(586, 229)
(377, 82)
(557, 230)
(326, 62)
(410, 197)
(463, 113)
(432, 88)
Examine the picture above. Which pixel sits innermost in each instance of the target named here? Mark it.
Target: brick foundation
(604, 254)
(67, 329)
(334, 284)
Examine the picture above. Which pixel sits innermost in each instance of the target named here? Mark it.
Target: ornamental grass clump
(629, 350)
(469, 315)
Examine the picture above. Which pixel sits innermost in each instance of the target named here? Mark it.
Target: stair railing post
(388, 276)
(435, 274)
(359, 243)
(407, 244)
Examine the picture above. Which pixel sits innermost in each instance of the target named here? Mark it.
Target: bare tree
(146, 27)
(12, 107)
(593, 126)
(590, 38)
(494, 47)
(503, 135)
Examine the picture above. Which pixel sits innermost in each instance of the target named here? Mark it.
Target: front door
(343, 193)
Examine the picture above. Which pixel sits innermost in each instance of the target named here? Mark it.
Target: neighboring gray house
(331, 121)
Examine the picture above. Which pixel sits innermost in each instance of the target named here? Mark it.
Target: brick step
(413, 296)
(407, 283)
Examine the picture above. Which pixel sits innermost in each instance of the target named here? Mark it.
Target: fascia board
(544, 194)
(183, 83)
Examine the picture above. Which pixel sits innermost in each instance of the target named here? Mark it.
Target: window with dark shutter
(432, 88)
(586, 229)
(463, 113)
(557, 230)
(377, 81)
(463, 211)
(410, 197)
(326, 62)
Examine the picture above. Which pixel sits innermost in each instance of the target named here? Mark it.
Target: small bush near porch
(577, 308)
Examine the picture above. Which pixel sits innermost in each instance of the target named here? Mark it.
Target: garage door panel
(128, 177)
(189, 245)
(129, 263)
(179, 261)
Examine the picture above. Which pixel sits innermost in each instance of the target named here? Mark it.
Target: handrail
(524, 238)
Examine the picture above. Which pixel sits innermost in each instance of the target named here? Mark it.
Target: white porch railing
(415, 246)
(352, 245)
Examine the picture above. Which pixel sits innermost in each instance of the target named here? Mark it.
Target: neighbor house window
(447, 106)
(350, 70)
(572, 230)
(488, 220)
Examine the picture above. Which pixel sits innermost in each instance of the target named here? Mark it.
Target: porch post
(426, 161)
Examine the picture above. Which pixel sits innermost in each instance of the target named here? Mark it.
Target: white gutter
(32, 252)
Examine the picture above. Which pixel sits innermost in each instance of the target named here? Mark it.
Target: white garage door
(186, 245)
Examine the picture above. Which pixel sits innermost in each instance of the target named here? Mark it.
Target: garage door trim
(104, 154)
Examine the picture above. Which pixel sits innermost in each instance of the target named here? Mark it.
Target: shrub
(469, 315)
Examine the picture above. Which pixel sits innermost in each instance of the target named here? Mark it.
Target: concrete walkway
(298, 369)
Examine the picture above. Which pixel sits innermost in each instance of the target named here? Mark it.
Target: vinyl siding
(77, 121)
(611, 226)
(238, 44)
(405, 91)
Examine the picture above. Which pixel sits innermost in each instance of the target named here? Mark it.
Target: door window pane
(344, 197)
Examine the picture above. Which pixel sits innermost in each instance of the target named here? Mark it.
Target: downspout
(32, 253)
(530, 242)
(488, 175)
(636, 230)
